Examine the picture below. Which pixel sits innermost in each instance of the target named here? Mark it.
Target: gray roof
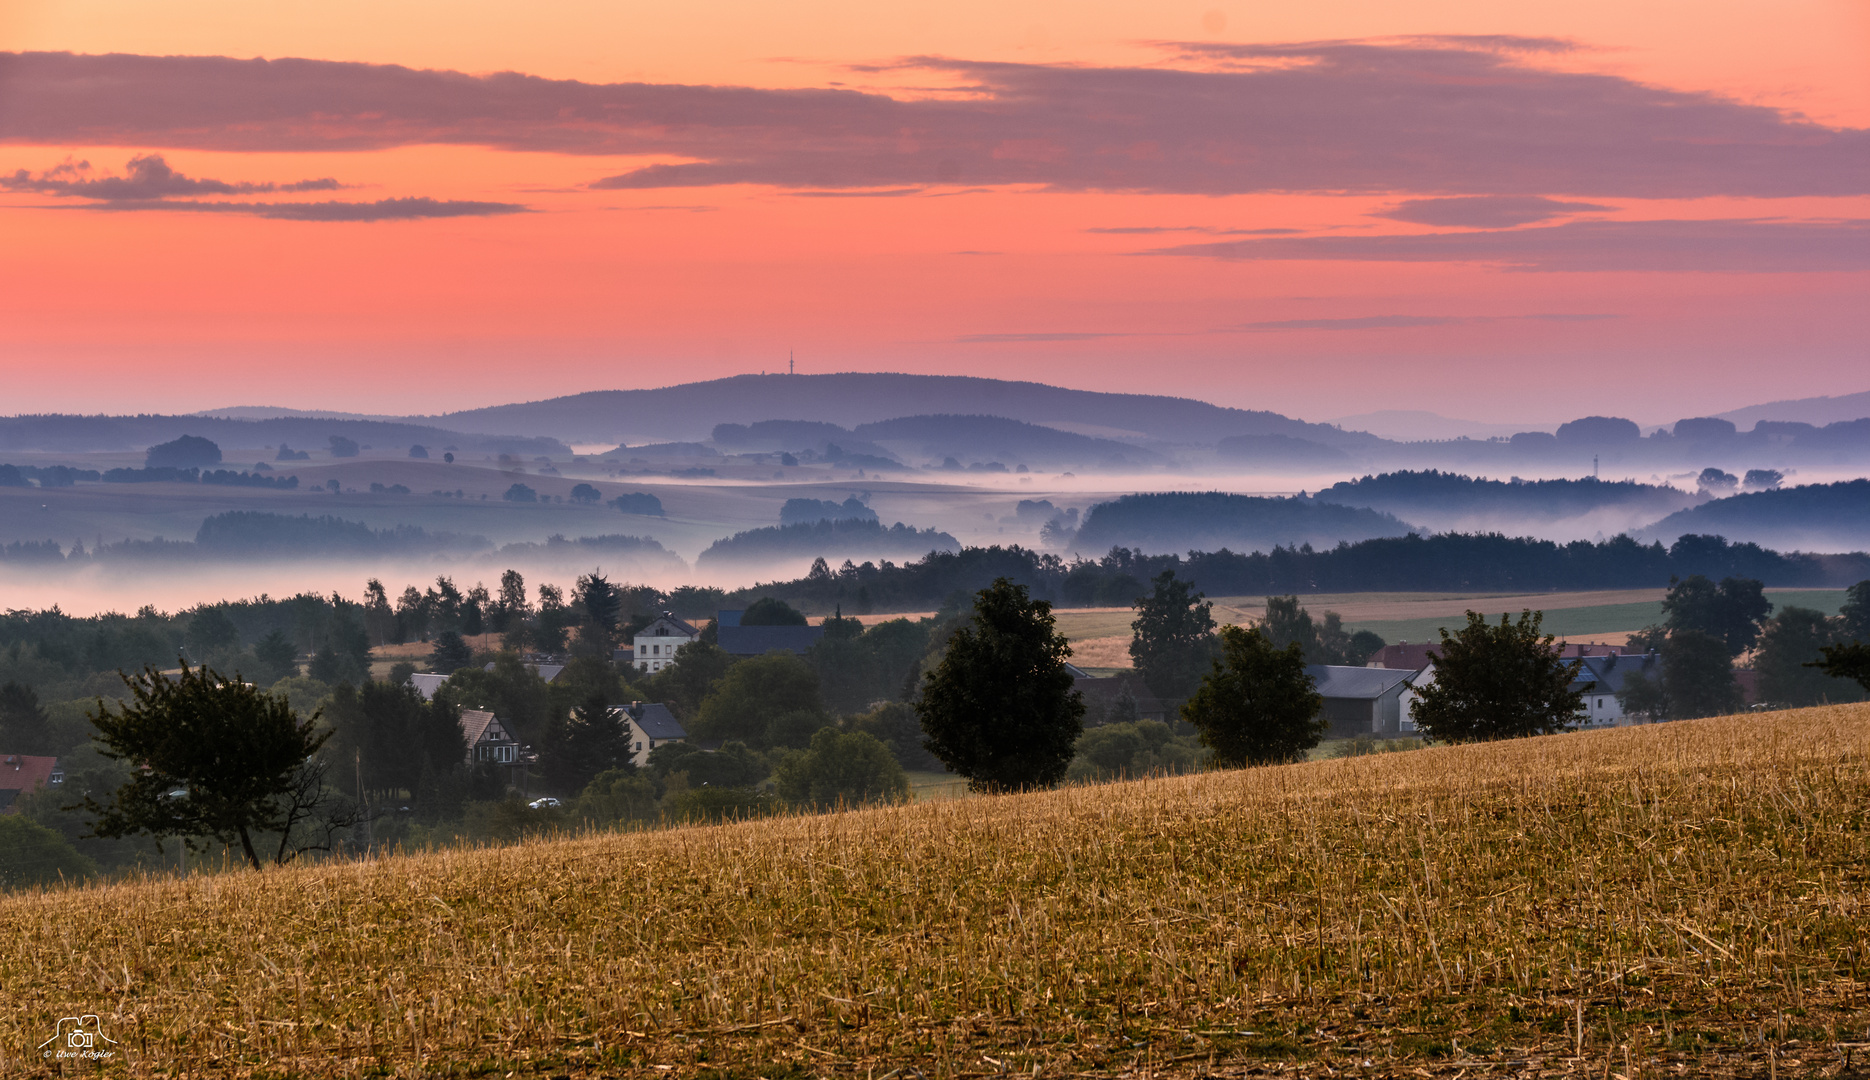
(675, 627)
(1367, 683)
(426, 683)
(656, 721)
(1610, 672)
(545, 669)
(756, 640)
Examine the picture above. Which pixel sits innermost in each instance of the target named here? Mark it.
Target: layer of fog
(975, 509)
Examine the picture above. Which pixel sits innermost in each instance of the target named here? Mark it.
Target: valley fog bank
(982, 511)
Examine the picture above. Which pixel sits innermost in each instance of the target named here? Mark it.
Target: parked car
(547, 803)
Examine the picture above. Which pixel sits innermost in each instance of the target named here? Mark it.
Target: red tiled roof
(22, 773)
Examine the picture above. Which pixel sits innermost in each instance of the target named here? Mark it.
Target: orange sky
(144, 304)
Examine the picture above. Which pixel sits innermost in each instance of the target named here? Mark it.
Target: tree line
(1451, 561)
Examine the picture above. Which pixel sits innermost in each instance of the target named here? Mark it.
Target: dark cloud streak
(1721, 246)
(147, 176)
(1404, 322)
(1484, 211)
(405, 209)
(1438, 115)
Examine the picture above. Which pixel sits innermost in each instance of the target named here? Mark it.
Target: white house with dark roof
(647, 725)
(656, 643)
(487, 738)
(1603, 678)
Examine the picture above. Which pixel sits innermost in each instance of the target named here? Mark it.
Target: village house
(655, 644)
(487, 738)
(23, 774)
(1361, 701)
(1602, 678)
(1601, 674)
(646, 726)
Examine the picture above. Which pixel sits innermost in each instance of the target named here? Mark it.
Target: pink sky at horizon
(1239, 257)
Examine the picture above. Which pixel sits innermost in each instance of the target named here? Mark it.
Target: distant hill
(273, 412)
(1444, 500)
(1817, 411)
(1814, 517)
(1178, 521)
(846, 538)
(690, 411)
(81, 434)
(986, 439)
(1280, 452)
(1421, 425)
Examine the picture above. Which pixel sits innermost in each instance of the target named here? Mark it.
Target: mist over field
(729, 499)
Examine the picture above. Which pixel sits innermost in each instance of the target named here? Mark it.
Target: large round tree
(1500, 681)
(1257, 705)
(1000, 708)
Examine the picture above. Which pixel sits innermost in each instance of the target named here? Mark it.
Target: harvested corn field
(1685, 898)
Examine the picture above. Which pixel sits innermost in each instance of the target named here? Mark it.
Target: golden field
(1686, 899)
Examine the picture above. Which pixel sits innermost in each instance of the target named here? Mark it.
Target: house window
(504, 754)
(639, 746)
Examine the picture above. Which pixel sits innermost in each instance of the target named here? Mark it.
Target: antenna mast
(790, 370)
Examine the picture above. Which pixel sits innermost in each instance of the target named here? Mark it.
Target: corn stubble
(1636, 902)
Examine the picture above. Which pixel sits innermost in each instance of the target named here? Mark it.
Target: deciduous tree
(1789, 660)
(1854, 616)
(1698, 675)
(1498, 682)
(840, 768)
(218, 760)
(772, 611)
(1256, 706)
(1731, 611)
(764, 701)
(1173, 636)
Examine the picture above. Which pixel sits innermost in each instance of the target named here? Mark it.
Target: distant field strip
(1579, 622)
(1102, 635)
(1687, 899)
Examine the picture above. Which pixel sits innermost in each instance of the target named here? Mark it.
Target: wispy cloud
(1005, 339)
(860, 193)
(1365, 322)
(1405, 322)
(151, 184)
(1138, 230)
(1484, 211)
(147, 176)
(1720, 246)
(408, 209)
(1433, 116)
